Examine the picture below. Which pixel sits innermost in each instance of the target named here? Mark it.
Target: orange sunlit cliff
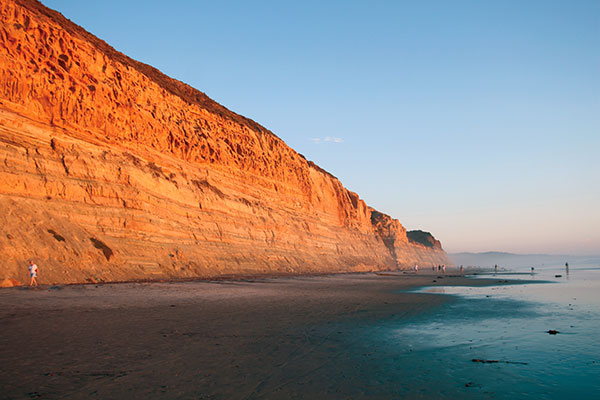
(111, 171)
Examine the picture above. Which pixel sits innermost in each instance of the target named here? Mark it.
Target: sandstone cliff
(111, 170)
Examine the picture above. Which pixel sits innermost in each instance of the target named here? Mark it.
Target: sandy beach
(228, 339)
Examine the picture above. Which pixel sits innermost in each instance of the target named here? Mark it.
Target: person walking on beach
(33, 271)
(416, 268)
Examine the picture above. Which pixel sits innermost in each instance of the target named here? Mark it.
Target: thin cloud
(327, 139)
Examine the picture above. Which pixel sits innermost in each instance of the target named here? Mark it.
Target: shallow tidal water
(431, 355)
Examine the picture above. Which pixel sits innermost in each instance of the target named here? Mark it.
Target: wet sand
(229, 339)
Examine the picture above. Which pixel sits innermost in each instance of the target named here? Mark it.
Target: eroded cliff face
(109, 170)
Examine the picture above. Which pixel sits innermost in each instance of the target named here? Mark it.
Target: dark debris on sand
(497, 361)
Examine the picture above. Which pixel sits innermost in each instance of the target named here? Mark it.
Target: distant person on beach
(33, 271)
(461, 269)
(444, 268)
(416, 268)
(496, 268)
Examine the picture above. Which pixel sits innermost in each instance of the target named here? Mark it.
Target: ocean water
(507, 325)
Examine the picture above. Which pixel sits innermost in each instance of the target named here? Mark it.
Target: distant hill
(490, 258)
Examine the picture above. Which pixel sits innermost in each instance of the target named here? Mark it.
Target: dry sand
(230, 339)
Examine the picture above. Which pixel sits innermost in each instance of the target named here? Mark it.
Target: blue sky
(476, 120)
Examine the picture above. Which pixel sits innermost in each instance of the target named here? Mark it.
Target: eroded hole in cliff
(63, 62)
(100, 245)
(59, 238)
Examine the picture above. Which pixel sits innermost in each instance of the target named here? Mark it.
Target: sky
(478, 121)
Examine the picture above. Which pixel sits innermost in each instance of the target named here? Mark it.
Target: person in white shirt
(33, 271)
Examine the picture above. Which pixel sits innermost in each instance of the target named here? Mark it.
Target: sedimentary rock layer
(110, 170)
